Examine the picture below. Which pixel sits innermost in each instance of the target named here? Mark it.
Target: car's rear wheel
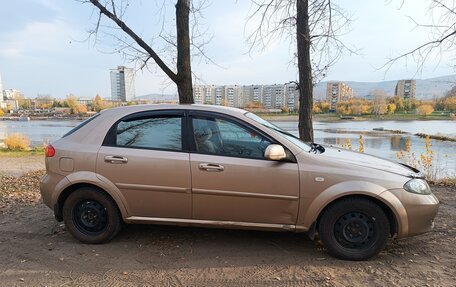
(91, 216)
(354, 229)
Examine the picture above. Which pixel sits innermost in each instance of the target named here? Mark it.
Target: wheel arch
(75, 186)
(388, 211)
(392, 218)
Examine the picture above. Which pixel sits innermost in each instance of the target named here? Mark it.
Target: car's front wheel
(354, 229)
(91, 216)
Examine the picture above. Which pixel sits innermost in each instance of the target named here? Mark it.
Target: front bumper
(415, 213)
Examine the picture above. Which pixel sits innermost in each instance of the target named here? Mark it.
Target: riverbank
(335, 118)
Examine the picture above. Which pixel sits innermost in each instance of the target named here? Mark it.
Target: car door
(231, 179)
(144, 156)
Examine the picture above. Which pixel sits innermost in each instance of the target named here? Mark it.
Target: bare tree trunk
(305, 71)
(184, 73)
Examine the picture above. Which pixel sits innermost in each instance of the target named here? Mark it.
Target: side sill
(210, 223)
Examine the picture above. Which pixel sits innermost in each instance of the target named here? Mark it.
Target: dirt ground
(35, 250)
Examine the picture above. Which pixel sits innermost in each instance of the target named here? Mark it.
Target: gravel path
(17, 166)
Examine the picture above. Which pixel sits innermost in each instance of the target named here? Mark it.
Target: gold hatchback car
(214, 166)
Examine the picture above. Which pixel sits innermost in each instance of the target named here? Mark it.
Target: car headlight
(418, 186)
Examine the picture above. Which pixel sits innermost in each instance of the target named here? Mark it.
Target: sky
(45, 46)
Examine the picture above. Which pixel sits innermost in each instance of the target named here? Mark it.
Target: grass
(19, 153)
(445, 181)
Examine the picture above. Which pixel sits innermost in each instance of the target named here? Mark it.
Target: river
(382, 144)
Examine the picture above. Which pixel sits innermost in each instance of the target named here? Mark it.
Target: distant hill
(425, 88)
(158, 97)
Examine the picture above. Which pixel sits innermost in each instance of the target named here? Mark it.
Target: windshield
(305, 146)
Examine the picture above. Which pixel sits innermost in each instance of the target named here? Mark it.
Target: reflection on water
(381, 144)
(398, 143)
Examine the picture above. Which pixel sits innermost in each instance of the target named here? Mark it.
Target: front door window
(225, 138)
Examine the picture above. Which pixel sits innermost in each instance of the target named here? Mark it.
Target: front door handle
(211, 167)
(115, 159)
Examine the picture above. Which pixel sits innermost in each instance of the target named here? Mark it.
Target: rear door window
(159, 132)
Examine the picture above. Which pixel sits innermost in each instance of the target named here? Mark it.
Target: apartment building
(292, 97)
(269, 96)
(406, 89)
(198, 94)
(122, 84)
(336, 92)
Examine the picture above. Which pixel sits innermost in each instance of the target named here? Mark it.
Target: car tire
(354, 229)
(91, 216)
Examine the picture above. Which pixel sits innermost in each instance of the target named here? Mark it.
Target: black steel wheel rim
(355, 230)
(90, 217)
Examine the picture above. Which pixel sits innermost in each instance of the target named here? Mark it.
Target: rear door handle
(115, 159)
(211, 167)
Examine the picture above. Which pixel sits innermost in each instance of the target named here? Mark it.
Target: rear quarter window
(83, 123)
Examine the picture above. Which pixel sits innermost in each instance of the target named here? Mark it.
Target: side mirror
(275, 152)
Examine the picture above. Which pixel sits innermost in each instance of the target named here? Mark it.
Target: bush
(17, 141)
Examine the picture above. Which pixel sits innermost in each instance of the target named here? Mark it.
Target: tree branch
(173, 76)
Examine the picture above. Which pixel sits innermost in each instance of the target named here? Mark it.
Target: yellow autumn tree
(80, 109)
(324, 106)
(343, 108)
(425, 109)
(391, 108)
(71, 101)
(98, 103)
(316, 108)
(450, 103)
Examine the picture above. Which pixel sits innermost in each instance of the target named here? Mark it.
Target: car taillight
(49, 151)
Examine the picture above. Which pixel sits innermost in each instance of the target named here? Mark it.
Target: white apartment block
(336, 92)
(269, 96)
(11, 93)
(122, 84)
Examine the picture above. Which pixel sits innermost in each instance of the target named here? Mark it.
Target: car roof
(151, 107)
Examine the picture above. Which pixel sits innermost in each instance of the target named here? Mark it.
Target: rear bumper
(51, 184)
(415, 213)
